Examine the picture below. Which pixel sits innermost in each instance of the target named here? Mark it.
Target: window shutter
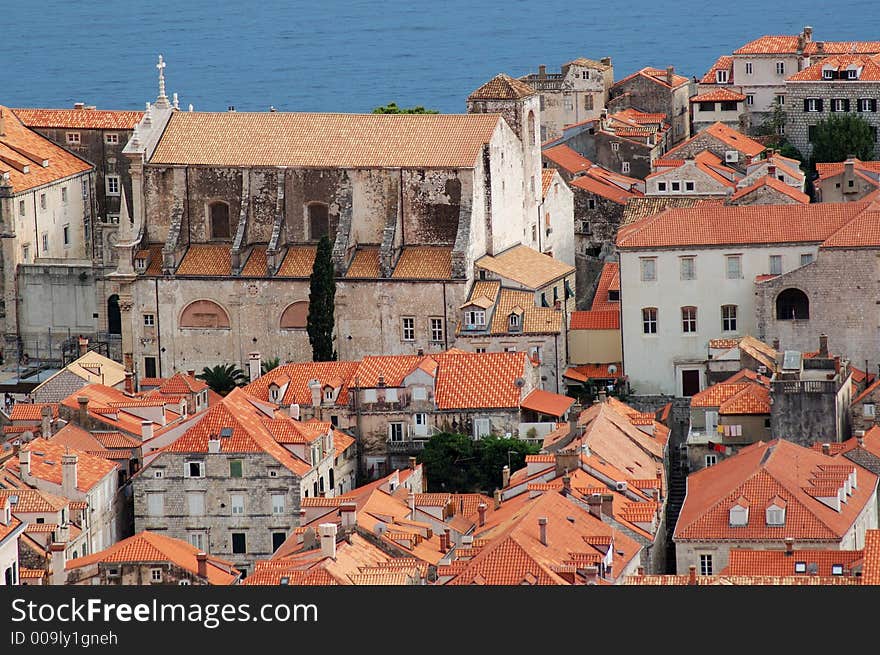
(819, 104)
(859, 104)
(806, 104)
(846, 104)
(873, 104)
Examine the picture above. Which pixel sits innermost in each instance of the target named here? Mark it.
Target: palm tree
(269, 364)
(223, 378)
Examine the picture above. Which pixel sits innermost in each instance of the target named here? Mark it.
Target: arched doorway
(114, 317)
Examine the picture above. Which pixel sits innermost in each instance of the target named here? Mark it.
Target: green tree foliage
(841, 135)
(268, 364)
(322, 295)
(392, 108)
(223, 378)
(457, 463)
(774, 128)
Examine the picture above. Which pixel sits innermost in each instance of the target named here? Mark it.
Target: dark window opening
(239, 545)
(149, 367)
(220, 221)
(792, 304)
(278, 538)
(319, 221)
(114, 316)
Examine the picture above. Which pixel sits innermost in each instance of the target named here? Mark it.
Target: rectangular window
(688, 268)
(568, 103)
(421, 419)
(149, 320)
(409, 328)
(867, 104)
(199, 540)
(649, 320)
(111, 138)
(689, 320)
(648, 268)
(750, 100)
(390, 395)
(615, 146)
(711, 460)
(111, 184)
(155, 504)
(65, 235)
(780, 68)
(661, 186)
(868, 409)
(73, 138)
(21, 208)
(676, 186)
(64, 194)
(689, 186)
(150, 367)
(25, 253)
(840, 104)
(707, 106)
(749, 69)
(624, 167)
(236, 501)
(370, 395)
(278, 503)
(806, 258)
(475, 318)
(419, 393)
(278, 538)
(395, 431)
(480, 350)
(813, 104)
(588, 99)
(706, 560)
(156, 575)
(42, 201)
(780, 100)
(734, 267)
(852, 74)
(728, 318)
(235, 468)
(45, 240)
(195, 501)
(591, 203)
(721, 76)
(436, 325)
(239, 543)
(776, 264)
(194, 469)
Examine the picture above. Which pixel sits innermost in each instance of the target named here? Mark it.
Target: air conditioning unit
(620, 486)
(731, 156)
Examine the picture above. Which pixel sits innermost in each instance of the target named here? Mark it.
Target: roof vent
(519, 382)
(225, 433)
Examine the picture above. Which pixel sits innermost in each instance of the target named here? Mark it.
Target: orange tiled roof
(762, 473)
(479, 380)
(347, 140)
(392, 368)
(719, 95)
(871, 565)
(568, 159)
(744, 561)
(862, 231)
(547, 175)
(609, 281)
(595, 320)
(148, 547)
(502, 87)
(525, 266)
(365, 263)
(298, 262)
(204, 259)
(726, 225)
(546, 402)
(830, 169)
(777, 185)
(296, 378)
(604, 189)
(769, 45)
(535, 320)
(723, 63)
(869, 68)
(657, 75)
(424, 263)
(181, 384)
(593, 371)
(31, 411)
(32, 500)
(46, 464)
(83, 119)
(24, 150)
(155, 266)
(256, 263)
(725, 344)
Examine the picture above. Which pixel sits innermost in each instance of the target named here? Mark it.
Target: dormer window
(739, 515)
(775, 515)
(827, 73)
(274, 393)
(721, 76)
(475, 319)
(852, 74)
(514, 322)
(328, 394)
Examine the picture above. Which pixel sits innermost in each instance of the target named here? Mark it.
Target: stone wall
(596, 220)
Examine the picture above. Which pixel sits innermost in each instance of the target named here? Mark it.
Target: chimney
(411, 502)
(83, 402)
(62, 534)
(789, 546)
(412, 463)
(820, 47)
(860, 438)
(542, 71)
(348, 511)
(191, 372)
(214, 444)
(2, 124)
(381, 381)
(640, 571)
(826, 449)
(497, 498)
(255, 362)
(591, 574)
(69, 465)
(315, 388)
(603, 395)
(771, 170)
(505, 477)
(420, 352)
(83, 345)
(56, 564)
(776, 344)
(443, 546)
(566, 485)
(146, 430)
(481, 510)
(670, 74)
(594, 502)
(202, 560)
(24, 465)
(605, 60)
(46, 421)
(692, 574)
(328, 539)
(129, 382)
(79, 105)
(608, 504)
(823, 345)
(447, 534)
(542, 528)
(808, 33)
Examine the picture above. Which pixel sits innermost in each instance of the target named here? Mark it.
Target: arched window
(219, 215)
(114, 316)
(205, 314)
(319, 220)
(531, 128)
(792, 304)
(332, 479)
(295, 317)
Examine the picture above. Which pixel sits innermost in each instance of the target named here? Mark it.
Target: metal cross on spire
(162, 99)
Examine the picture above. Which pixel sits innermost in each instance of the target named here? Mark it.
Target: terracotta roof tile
(843, 47)
(723, 63)
(829, 169)
(479, 380)
(657, 75)
(295, 377)
(155, 266)
(365, 263)
(744, 561)
(568, 159)
(46, 464)
(595, 320)
(769, 45)
(32, 500)
(604, 189)
(869, 68)
(83, 119)
(862, 231)
(256, 263)
(298, 262)
(31, 411)
(777, 185)
(871, 565)
(525, 266)
(392, 368)
(719, 95)
(502, 87)
(593, 372)
(547, 175)
(181, 384)
(609, 280)
(424, 263)
(209, 260)
(535, 320)
(546, 402)
(300, 140)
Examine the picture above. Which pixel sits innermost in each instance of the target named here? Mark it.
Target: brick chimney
(69, 466)
(129, 382)
(670, 75)
(789, 546)
(594, 502)
(447, 533)
(83, 403)
(608, 504)
(823, 345)
(56, 564)
(542, 71)
(566, 485)
(505, 477)
(771, 170)
(542, 529)
(202, 561)
(481, 511)
(146, 430)
(497, 498)
(826, 449)
(191, 372)
(315, 388)
(255, 364)
(591, 574)
(328, 539)
(808, 33)
(46, 421)
(692, 574)
(348, 512)
(412, 463)
(605, 60)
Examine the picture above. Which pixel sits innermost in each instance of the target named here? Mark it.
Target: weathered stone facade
(596, 221)
(647, 94)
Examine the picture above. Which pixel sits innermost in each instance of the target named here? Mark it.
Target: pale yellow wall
(594, 347)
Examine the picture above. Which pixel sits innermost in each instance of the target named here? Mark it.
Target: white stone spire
(174, 101)
(162, 99)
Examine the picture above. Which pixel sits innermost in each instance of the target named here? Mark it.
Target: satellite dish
(612, 369)
(519, 382)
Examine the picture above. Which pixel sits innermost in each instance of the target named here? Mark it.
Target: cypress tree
(322, 292)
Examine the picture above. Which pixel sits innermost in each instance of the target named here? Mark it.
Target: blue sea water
(351, 56)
